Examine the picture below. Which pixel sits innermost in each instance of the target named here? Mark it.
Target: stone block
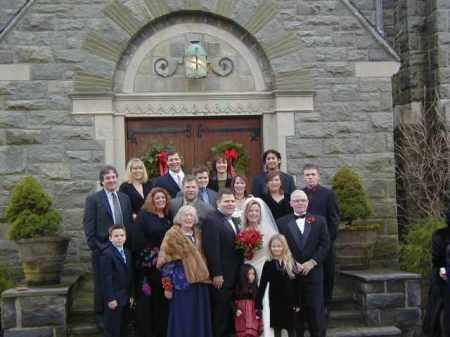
(372, 317)
(373, 287)
(395, 286)
(391, 300)
(9, 166)
(23, 137)
(413, 293)
(9, 316)
(46, 153)
(402, 317)
(30, 332)
(43, 311)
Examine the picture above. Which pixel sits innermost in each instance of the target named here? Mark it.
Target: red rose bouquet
(248, 241)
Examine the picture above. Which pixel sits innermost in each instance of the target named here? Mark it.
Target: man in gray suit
(190, 197)
(103, 209)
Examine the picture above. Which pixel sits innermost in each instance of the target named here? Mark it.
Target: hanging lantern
(195, 61)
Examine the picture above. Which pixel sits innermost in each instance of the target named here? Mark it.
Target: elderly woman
(185, 277)
(221, 177)
(152, 222)
(438, 306)
(137, 185)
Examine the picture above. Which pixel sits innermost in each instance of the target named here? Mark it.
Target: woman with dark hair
(239, 187)
(275, 197)
(436, 322)
(153, 222)
(221, 176)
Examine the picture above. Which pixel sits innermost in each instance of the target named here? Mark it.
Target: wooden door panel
(194, 137)
(176, 133)
(239, 130)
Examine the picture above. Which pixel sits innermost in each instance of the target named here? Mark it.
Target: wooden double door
(193, 138)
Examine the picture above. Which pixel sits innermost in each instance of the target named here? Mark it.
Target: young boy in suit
(116, 273)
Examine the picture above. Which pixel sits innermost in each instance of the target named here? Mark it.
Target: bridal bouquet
(248, 241)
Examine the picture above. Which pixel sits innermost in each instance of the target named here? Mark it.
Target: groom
(224, 261)
(308, 240)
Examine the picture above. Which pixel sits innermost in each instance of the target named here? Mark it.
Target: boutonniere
(311, 219)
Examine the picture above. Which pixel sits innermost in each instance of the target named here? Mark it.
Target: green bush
(29, 213)
(7, 278)
(351, 197)
(415, 250)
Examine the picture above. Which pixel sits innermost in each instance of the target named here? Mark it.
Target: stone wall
(352, 122)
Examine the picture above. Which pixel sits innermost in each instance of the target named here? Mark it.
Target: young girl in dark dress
(247, 321)
(278, 271)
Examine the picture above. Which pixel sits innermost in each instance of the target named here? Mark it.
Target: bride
(257, 215)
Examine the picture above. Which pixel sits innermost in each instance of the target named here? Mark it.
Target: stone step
(343, 302)
(345, 318)
(379, 331)
(84, 330)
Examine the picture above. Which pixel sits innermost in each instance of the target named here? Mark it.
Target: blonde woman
(137, 185)
(279, 272)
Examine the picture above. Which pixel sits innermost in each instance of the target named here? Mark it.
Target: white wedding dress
(268, 228)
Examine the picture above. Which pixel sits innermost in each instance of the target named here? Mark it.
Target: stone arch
(261, 30)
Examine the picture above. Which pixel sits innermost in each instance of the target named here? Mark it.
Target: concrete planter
(354, 248)
(42, 259)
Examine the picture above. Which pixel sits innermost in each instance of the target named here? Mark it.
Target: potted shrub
(35, 227)
(356, 241)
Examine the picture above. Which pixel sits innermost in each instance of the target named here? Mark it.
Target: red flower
(311, 219)
(248, 241)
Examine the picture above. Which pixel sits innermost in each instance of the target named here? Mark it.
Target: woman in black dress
(221, 175)
(137, 185)
(276, 199)
(151, 305)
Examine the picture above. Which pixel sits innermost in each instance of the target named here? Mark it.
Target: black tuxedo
(166, 181)
(313, 244)
(223, 260)
(97, 219)
(322, 201)
(259, 184)
(117, 282)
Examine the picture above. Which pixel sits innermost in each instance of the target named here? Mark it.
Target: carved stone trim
(199, 104)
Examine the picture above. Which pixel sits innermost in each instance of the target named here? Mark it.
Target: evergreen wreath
(235, 154)
(153, 158)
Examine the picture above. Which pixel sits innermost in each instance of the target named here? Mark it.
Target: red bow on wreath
(231, 155)
(162, 160)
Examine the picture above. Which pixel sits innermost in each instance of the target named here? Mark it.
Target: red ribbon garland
(162, 160)
(231, 155)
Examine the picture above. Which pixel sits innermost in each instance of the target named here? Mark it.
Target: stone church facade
(317, 73)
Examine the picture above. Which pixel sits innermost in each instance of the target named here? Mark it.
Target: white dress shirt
(177, 177)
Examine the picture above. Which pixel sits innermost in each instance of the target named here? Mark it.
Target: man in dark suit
(308, 240)
(190, 196)
(173, 180)
(117, 276)
(272, 162)
(219, 234)
(322, 201)
(102, 210)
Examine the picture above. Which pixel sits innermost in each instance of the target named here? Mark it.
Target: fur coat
(176, 246)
